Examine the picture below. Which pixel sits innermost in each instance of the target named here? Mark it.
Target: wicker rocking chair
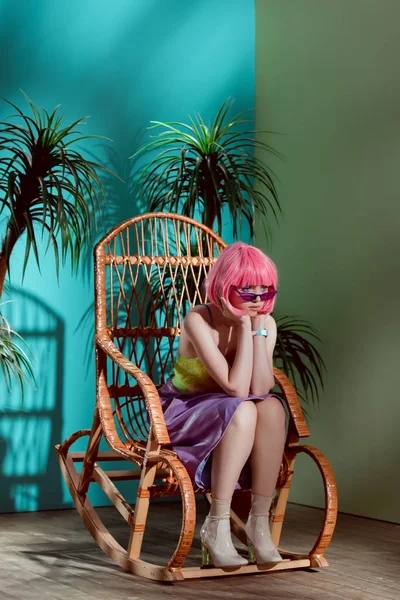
(148, 273)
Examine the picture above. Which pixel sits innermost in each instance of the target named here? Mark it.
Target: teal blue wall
(124, 63)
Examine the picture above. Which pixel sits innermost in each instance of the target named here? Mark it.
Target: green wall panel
(328, 82)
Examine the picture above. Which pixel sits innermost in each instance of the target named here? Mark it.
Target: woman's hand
(259, 321)
(226, 311)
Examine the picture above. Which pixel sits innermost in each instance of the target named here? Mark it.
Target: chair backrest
(148, 274)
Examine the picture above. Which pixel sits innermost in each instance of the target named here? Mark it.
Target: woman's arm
(234, 380)
(262, 378)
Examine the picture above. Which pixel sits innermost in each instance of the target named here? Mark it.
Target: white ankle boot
(261, 547)
(217, 546)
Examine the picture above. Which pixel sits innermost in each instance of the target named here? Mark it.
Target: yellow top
(190, 375)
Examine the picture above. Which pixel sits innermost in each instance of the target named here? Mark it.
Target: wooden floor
(50, 555)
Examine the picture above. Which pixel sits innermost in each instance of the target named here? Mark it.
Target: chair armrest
(290, 395)
(146, 385)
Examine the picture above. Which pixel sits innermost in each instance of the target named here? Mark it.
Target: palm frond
(39, 166)
(14, 361)
(210, 164)
(298, 358)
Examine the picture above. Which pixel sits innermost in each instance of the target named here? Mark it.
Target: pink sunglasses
(249, 297)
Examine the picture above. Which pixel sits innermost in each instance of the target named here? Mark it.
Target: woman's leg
(228, 460)
(232, 452)
(265, 463)
(269, 443)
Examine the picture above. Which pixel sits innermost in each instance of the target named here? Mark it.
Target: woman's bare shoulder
(197, 314)
(201, 308)
(195, 325)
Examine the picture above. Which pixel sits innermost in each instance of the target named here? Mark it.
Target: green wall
(328, 80)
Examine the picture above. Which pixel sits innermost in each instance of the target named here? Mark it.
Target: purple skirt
(196, 423)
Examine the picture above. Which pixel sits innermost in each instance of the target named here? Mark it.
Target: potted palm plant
(47, 187)
(198, 170)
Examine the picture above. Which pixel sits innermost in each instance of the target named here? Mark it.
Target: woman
(226, 427)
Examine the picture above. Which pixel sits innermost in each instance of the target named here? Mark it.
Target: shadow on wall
(120, 200)
(30, 478)
(121, 204)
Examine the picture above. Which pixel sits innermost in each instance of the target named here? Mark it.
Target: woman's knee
(271, 410)
(245, 416)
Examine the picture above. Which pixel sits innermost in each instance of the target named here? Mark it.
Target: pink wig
(240, 264)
